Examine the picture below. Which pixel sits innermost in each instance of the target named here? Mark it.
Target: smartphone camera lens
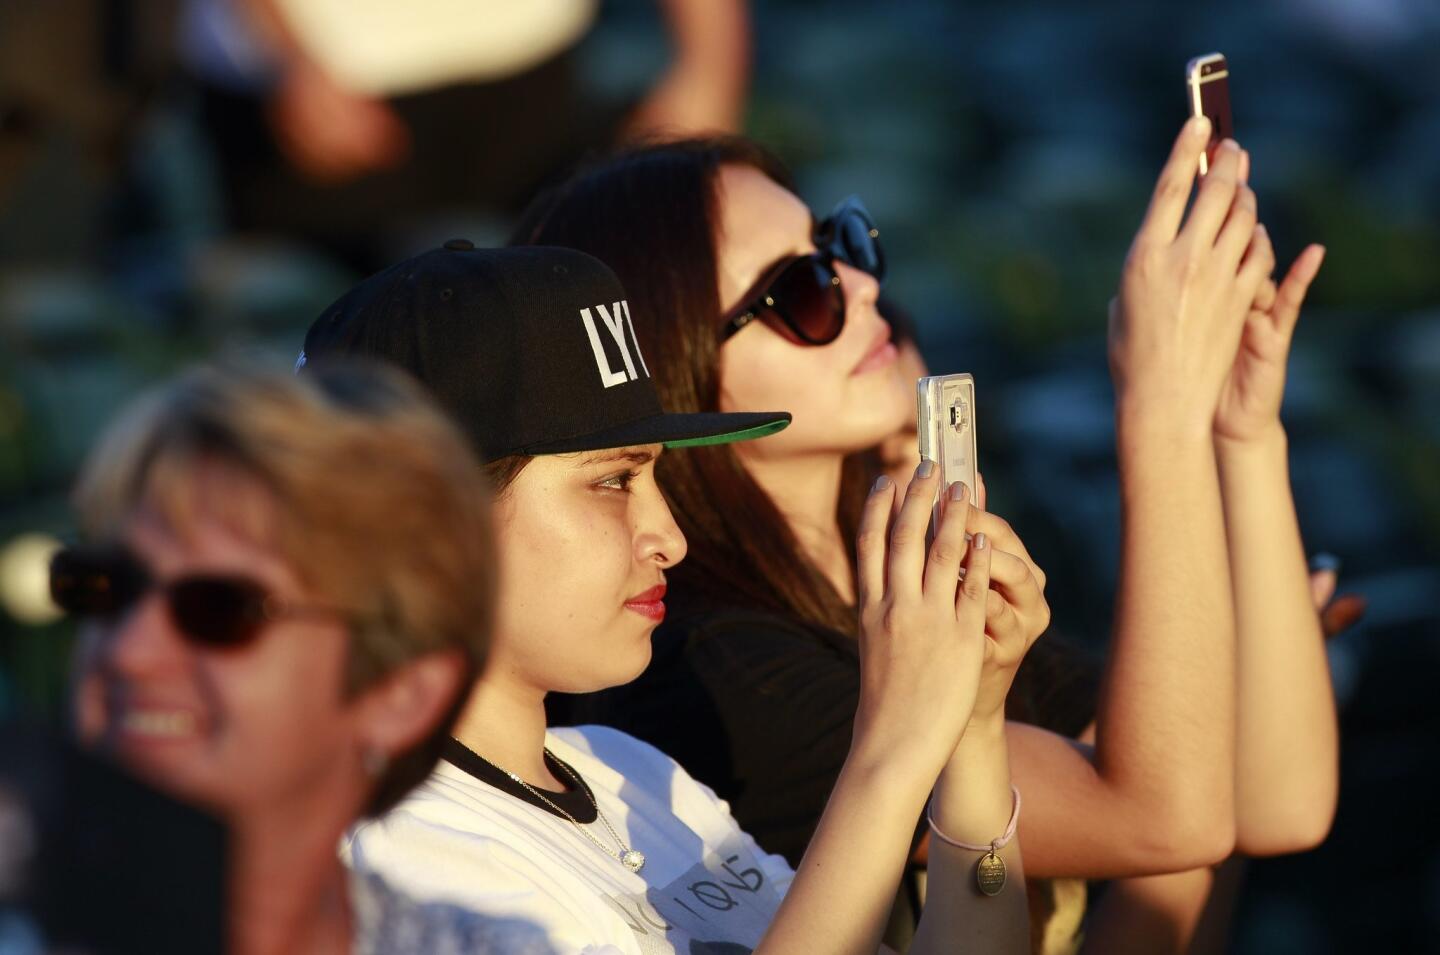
(959, 416)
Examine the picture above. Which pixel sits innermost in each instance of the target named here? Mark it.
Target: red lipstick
(650, 604)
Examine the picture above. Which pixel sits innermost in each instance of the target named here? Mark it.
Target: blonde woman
(282, 644)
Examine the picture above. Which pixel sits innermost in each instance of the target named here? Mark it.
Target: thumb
(1291, 294)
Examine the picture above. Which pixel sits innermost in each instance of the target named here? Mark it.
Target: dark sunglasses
(801, 296)
(212, 610)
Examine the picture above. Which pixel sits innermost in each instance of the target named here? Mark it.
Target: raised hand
(1250, 399)
(922, 628)
(1187, 287)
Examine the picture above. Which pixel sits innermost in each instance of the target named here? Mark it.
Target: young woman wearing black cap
(601, 840)
(710, 234)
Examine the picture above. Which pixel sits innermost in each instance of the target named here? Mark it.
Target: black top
(757, 706)
(113, 865)
(578, 801)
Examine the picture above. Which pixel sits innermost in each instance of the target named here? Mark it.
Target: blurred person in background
(281, 644)
(345, 122)
(1214, 604)
(598, 837)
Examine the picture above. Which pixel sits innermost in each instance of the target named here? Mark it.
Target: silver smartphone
(945, 420)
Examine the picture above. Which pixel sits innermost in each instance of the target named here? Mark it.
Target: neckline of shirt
(578, 801)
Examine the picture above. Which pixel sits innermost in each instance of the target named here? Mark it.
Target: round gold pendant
(633, 859)
(990, 874)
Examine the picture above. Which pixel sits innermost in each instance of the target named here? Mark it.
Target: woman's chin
(614, 672)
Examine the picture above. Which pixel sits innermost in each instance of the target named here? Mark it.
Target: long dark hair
(650, 213)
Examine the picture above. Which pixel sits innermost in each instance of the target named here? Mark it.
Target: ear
(408, 703)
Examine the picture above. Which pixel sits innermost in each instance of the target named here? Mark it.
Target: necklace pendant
(990, 874)
(633, 859)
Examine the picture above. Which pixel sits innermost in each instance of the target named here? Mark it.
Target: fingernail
(957, 491)
(926, 468)
(1230, 144)
(882, 482)
(1200, 124)
(1260, 228)
(980, 541)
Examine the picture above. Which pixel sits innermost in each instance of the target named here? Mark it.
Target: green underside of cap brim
(746, 434)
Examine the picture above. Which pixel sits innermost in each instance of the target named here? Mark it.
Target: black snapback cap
(531, 349)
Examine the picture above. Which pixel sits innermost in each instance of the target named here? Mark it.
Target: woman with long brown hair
(753, 303)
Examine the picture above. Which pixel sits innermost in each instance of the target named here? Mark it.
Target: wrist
(1269, 438)
(984, 743)
(907, 762)
(1156, 428)
(985, 728)
(1147, 452)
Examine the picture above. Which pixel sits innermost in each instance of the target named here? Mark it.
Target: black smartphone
(1207, 83)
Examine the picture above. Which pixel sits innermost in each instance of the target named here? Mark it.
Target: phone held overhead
(1207, 82)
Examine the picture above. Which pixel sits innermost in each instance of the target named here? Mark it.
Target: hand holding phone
(945, 420)
(1207, 83)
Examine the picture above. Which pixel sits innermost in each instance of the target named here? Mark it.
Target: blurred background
(159, 162)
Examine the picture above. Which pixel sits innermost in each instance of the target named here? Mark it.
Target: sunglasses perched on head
(801, 296)
(212, 610)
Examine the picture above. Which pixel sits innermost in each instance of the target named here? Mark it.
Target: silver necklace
(632, 859)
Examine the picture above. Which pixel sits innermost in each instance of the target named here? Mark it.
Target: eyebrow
(618, 454)
(770, 273)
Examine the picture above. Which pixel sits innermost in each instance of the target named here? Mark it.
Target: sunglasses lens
(808, 296)
(217, 611)
(861, 247)
(93, 583)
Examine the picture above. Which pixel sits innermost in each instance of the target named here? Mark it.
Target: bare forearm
(711, 32)
(1161, 779)
(853, 863)
(1183, 913)
(1165, 724)
(1157, 792)
(1155, 915)
(712, 37)
(1287, 758)
(972, 803)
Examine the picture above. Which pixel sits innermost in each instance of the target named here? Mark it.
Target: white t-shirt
(387, 47)
(459, 839)
(387, 922)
